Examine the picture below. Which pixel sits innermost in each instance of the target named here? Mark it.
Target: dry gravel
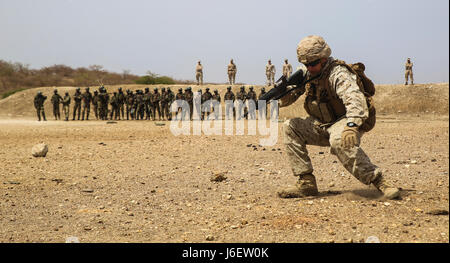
(135, 182)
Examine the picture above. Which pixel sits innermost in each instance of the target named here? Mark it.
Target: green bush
(11, 92)
(151, 80)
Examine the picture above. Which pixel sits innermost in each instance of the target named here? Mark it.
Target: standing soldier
(95, 101)
(206, 104)
(170, 99)
(189, 97)
(241, 98)
(121, 101)
(287, 69)
(140, 105)
(147, 103)
(56, 100)
(216, 104)
(104, 100)
(39, 105)
(164, 104)
(130, 103)
(229, 103)
(408, 72)
(180, 98)
(114, 106)
(199, 73)
(155, 99)
(66, 104)
(262, 111)
(77, 106)
(251, 103)
(232, 72)
(87, 99)
(270, 73)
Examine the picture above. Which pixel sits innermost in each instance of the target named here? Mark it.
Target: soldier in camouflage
(39, 100)
(87, 99)
(164, 104)
(240, 102)
(95, 101)
(216, 104)
(66, 104)
(341, 133)
(104, 100)
(189, 98)
(270, 73)
(140, 109)
(229, 104)
(77, 97)
(155, 100)
(147, 104)
(251, 103)
(262, 112)
(56, 100)
(179, 98)
(231, 70)
(287, 69)
(408, 71)
(121, 102)
(114, 101)
(206, 104)
(130, 102)
(199, 73)
(170, 99)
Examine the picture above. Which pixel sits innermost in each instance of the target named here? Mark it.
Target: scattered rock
(210, 238)
(39, 150)
(218, 177)
(111, 122)
(87, 190)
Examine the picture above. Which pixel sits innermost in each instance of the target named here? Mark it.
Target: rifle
(280, 90)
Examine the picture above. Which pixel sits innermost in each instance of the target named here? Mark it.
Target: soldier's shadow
(361, 194)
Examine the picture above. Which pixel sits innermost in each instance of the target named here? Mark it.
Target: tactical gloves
(350, 137)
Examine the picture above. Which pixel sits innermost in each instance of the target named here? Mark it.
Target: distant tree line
(17, 76)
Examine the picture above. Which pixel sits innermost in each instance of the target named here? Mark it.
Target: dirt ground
(133, 181)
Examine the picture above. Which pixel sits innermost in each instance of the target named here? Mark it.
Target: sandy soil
(133, 181)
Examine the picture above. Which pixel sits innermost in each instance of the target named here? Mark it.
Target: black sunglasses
(312, 64)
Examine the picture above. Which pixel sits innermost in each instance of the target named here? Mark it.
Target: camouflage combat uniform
(155, 99)
(251, 104)
(206, 103)
(287, 69)
(121, 102)
(77, 97)
(229, 104)
(409, 72)
(270, 73)
(199, 74)
(231, 70)
(95, 101)
(66, 104)
(56, 100)
(39, 100)
(87, 99)
(216, 99)
(241, 110)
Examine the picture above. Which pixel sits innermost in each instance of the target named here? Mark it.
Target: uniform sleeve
(347, 89)
(290, 98)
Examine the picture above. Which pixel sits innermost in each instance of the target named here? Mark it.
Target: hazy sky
(169, 37)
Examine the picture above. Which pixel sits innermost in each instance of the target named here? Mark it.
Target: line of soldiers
(232, 70)
(143, 105)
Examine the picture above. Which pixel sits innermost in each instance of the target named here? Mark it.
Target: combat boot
(389, 192)
(305, 186)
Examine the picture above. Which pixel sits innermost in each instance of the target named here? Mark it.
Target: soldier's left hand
(350, 137)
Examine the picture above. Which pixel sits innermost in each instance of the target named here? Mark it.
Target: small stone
(386, 203)
(218, 177)
(39, 150)
(87, 190)
(234, 227)
(331, 185)
(372, 239)
(413, 162)
(210, 238)
(438, 212)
